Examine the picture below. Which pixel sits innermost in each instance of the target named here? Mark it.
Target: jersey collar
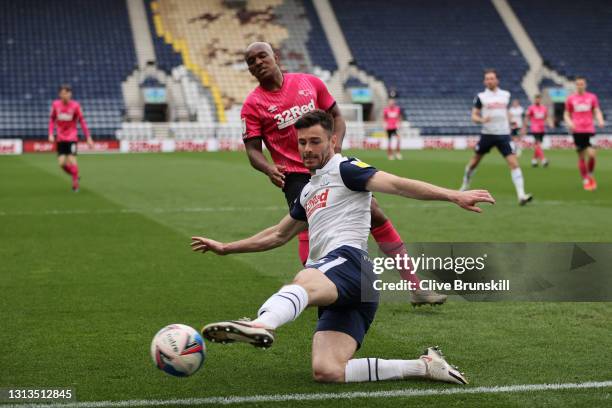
(329, 165)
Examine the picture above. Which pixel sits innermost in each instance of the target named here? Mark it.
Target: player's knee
(328, 372)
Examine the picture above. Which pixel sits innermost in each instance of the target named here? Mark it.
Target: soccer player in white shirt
(335, 205)
(491, 110)
(516, 123)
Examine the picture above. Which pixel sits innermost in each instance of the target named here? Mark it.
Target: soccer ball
(178, 350)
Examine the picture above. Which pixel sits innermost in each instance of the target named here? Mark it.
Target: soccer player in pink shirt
(268, 115)
(65, 113)
(535, 119)
(392, 116)
(580, 108)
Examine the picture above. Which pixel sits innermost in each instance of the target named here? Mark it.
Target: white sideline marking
(319, 396)
(179, 210)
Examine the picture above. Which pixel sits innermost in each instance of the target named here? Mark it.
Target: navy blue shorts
(502, 142)
(350, 269)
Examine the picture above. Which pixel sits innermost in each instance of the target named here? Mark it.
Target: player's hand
(468, 199)
(90, 142)
(276, 175)
(51, 139)
(201, 244)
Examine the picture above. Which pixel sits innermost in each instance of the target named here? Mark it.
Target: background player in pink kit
(392, 116)
(580, 108)
(536, 118)
(65, 113)
(268, 115)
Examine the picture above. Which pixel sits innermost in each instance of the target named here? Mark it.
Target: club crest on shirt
(272, 108)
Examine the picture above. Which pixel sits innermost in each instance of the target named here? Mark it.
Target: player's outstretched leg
(332, 361)
(430, 365)
(470, 169)
(309, 287)
(391, 244)
(517, 180)
(591, 167)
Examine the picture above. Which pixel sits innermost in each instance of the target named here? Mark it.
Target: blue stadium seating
(433, 52)
(86, 43)
(166, 57)
(574, 38)
(317, 44)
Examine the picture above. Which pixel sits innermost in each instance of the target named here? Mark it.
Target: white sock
(519, 183)
(283, 306)
(376, 369)
(467, 177)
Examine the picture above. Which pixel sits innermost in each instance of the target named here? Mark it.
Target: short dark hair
(538, 96)
(66, 87)
(577, 77)
(490, 71)
(316, 117)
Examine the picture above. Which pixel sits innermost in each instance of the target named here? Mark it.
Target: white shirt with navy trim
(494, 105)
(336, 205)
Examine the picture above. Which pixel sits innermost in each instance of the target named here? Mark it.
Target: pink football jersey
(271, 115)
(392, 116)
(65, 116)
(537, 117)
(581, 108)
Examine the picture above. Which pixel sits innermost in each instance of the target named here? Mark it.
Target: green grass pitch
(87, 279)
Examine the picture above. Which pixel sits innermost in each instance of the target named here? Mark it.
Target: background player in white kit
(336, 205)
(516, 123)
(491, 110)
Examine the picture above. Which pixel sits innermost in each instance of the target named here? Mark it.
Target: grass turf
(87, 279)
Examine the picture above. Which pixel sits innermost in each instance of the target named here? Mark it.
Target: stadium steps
(141, 33)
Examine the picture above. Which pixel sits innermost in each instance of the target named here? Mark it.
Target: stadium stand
(85, 43)
(213, 36)
(433, 55)
(552, 26)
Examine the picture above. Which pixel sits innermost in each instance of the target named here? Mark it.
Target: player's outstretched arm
(267, 239)
(382, 182)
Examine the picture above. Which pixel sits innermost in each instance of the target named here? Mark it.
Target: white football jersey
(494, 105)
(516, 115)
(337, 206)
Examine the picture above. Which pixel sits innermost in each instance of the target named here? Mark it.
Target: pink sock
(66, 168)
(74, 171)
(539, 152)
(390, 242)
(303, 246)
(591, 165)
(583, 169)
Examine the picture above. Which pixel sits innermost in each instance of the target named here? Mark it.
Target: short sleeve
(595, 101)
(325, 100)
(297, 211)
(568, 106)
(477, 102)
(355, 174)
(251, 126)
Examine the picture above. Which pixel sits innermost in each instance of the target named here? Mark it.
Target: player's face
(538, 100)
(261, 62)
(581, 85)
(391, 102)
(515, 102)
(65, 95)
(490, 80)
(315, 146)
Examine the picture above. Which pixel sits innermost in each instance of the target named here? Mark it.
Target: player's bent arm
(476, 118)
(339, 126)
(254, 150)
(267, 239)
(568, 120)
(599, 117)
(382, 182)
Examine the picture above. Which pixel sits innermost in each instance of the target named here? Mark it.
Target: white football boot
(243, 331)
(421, 297)
(439, 370)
